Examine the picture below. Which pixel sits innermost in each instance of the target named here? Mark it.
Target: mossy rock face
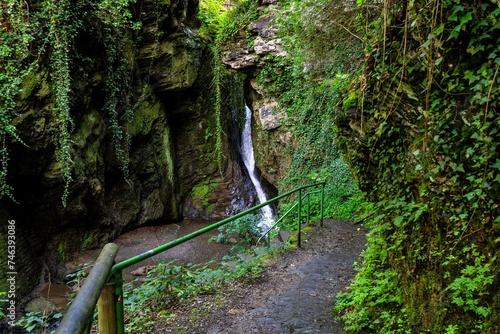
(146, 112)
(177, 61)
(173, 171)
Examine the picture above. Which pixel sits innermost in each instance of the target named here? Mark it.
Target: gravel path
(297, 291)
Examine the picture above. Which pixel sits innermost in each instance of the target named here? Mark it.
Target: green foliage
(3, 301)
(61, 30)
(219, 26)
(235, 21)
(37, 322)
(210, 13)
(118, 93)
(171, 283)
(246, 228)
(467, 289)
(14, 49)
(306, 85)
(75, 279)
(31, 32)
(420, 127)
(218, 77)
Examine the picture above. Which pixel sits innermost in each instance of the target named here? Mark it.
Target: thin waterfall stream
(247, 155)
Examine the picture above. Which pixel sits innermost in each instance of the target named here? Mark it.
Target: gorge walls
(172, 171)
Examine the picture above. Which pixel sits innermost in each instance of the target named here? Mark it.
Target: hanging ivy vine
(32, 32)
(15, 37)
(420, 126)
(61, 29)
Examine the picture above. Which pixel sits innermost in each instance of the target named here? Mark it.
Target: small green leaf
(466, 18)
(398, 220)
(496, 164)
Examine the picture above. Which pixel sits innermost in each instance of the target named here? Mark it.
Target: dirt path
(296, 293)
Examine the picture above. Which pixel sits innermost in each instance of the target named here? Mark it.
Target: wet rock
(269, 118)
(41, 305)
(142, 271)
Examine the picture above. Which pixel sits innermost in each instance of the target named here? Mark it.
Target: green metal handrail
(278, 221)
(115, 273)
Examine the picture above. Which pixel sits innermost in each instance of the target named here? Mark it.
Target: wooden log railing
(79, 315)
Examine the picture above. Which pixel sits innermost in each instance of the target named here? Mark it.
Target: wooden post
(106, 310)
(80, 312)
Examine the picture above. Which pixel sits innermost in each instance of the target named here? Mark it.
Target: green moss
(44, 89)
(145, 114)
(30, 81)
(61, 249)
(89, 122)
(87, 241)
(305, 233)
(202, 191)
(167, 149)
(352, 99)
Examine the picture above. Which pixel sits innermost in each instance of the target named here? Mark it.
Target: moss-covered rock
(170, 158)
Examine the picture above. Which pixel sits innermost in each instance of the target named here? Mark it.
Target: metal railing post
(308, 208)
(120, 323)
(299, 209)
(322, 202)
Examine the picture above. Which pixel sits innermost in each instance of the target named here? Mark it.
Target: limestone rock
(268, 116)
(41, 305)
(240, 56)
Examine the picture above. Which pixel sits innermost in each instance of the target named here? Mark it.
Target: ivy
(118, 94)
(218, 76)
(31, 32)
(422, 138)
(16, 38)
(60, 32)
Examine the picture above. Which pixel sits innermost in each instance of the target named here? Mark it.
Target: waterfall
(249, 161)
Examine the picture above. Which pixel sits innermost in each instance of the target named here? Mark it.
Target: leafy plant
(245, 228)
(3, 301)
(75, 279)
(420, 134)
(38, 322)
(172, 283)
(467, 289)
(46, 30)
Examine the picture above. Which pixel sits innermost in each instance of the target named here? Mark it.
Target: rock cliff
(248, 53)
(172, 170)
